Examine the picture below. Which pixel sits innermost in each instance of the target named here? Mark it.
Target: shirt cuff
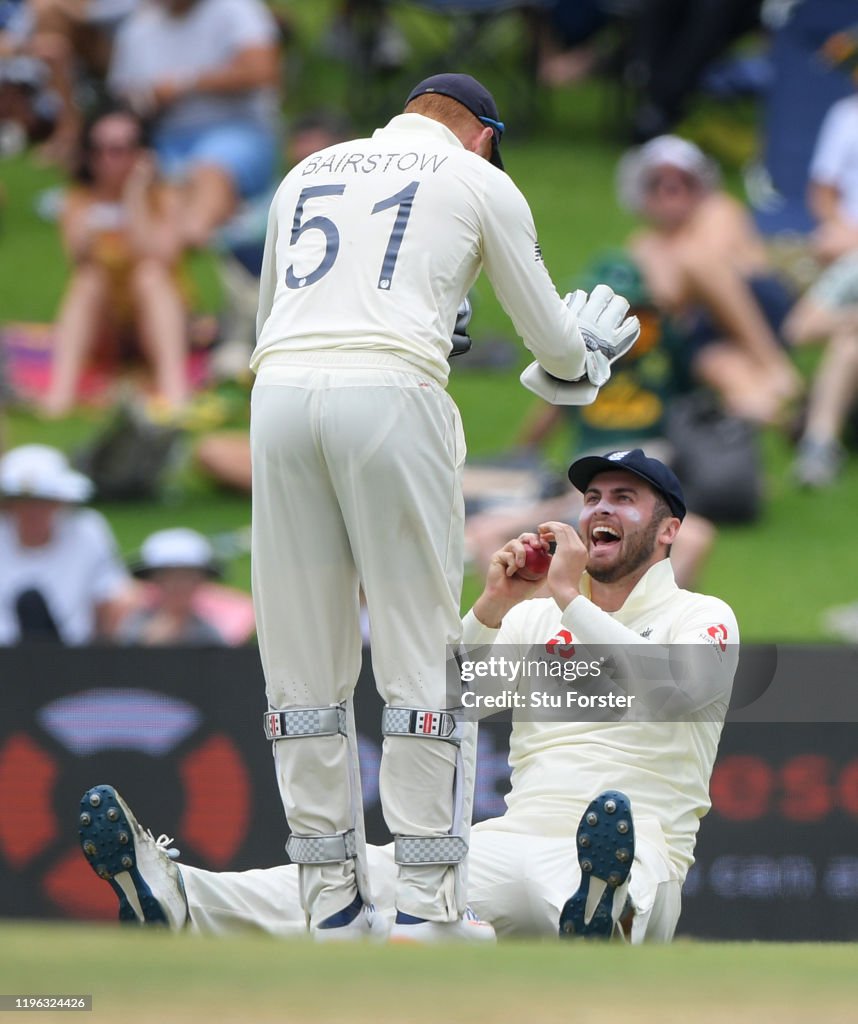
(475, 633)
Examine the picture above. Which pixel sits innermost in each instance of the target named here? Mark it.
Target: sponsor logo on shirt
(717, 636)
(562, 645)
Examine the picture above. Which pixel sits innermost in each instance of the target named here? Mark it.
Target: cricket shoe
(468, 928)
(606, 849)
(137, 866)
(358, 920)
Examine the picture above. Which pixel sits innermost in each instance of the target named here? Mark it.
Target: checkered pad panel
(395, 721)
(327, 721)
(322, 849)
(429, 849)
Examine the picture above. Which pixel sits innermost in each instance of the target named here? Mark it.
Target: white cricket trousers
(357, 461)
(516, 882)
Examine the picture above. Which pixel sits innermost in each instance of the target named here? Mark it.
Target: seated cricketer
(602, 817)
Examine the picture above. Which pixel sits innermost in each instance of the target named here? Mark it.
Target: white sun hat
(636, 166)
(177, 548)
(39, 471)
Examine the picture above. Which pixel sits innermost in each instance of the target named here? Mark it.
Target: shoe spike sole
(605, 842)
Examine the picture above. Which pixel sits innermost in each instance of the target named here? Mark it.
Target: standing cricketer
(356, 457)
(602, 816)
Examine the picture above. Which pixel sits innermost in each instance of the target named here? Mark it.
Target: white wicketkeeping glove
(608, 334)
(556, 391)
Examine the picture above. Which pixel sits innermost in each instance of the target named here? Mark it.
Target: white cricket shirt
(663, 767)
(835, 156)
(77, 570)
(372, 244)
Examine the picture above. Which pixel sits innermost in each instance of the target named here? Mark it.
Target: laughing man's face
(619, 525)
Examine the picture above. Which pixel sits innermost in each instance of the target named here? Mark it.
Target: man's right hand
(607, 332)
(504, 589)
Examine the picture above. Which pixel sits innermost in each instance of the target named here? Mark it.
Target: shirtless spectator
(706, 266)
(62, 579)
(118, 229)
(207, 73)
(829, 309)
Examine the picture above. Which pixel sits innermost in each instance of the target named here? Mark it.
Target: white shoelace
(164, 844)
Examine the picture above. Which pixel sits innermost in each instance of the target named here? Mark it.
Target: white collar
(657, 582)
(412, 123)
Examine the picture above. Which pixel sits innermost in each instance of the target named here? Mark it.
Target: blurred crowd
(166, 119)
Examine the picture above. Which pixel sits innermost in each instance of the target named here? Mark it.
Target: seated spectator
(631, 410)
(61, 577)
(28, 108)
(565, 34)
(829, 309)
(206, 72)
(706, 266)
(672, 43)
(65, 37)
(176, 563)
(119, 229)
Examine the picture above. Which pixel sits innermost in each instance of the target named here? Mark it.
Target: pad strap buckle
(437, 725)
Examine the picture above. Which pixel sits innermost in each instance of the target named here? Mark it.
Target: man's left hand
(567, 565)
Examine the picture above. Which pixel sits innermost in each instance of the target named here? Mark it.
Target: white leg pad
(318, 851)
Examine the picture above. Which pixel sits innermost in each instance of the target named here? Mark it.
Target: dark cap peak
(636, 461)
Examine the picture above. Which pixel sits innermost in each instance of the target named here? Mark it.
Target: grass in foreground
(149, 976)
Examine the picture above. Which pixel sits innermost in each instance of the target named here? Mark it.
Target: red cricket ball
(536, 565)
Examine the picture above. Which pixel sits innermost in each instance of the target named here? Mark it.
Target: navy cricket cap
(471, 94)
(655, 473)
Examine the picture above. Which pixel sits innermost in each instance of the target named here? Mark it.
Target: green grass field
(778, 574)
(149, 976)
